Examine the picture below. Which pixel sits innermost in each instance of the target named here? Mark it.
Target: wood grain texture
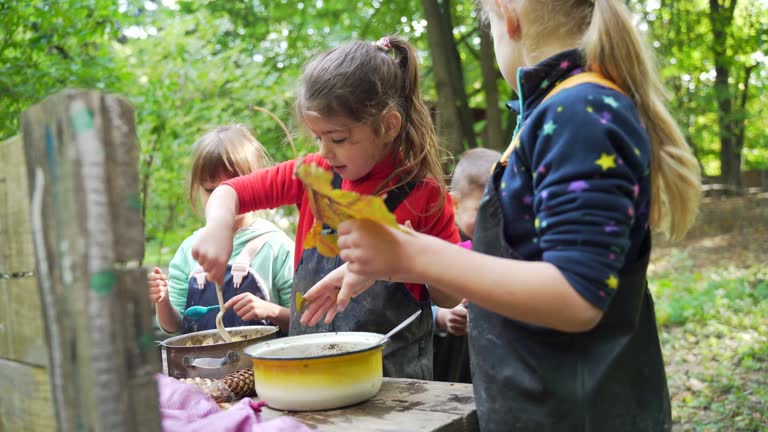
(28, 408)
(401, 405)
(16, 248)
(81, 154)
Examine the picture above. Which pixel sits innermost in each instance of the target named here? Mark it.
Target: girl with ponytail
(562, 330)
(361, 102)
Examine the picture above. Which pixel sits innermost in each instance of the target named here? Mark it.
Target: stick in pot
(219, 323)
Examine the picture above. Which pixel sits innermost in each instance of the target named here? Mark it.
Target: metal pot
(185, 356)
(317, 371)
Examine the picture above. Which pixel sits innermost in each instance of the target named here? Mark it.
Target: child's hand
(158, 286)
(332, 294)
(456, 319)
(250, 307)
(212, 250)
(374, 250)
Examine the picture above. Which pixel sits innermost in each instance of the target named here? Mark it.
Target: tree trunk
(494, 137)
(454, 119)
(721, 18)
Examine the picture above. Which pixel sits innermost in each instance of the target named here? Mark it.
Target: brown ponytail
(612, 44)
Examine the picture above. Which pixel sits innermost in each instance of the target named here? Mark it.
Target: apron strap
(242, 263)
(573, 81)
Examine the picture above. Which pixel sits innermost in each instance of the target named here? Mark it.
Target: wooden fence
(76, 351)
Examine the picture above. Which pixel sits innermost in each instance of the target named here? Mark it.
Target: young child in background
(467, 185)
(361, 102)
(221, 154)
(562, 335)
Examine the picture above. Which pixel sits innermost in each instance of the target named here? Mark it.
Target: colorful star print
(612, 282)
(549, 127)
(610, 101)
(578, 186)
(606, 161)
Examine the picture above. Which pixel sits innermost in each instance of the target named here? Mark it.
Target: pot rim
(282, 341)
(168, 342)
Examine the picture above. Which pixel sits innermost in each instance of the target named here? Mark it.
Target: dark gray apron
(378, 310)
(206, 296)
(530, 378)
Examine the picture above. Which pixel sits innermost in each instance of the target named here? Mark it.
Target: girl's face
(352, 149)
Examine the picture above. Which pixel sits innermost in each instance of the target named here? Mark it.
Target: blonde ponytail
(612, 46)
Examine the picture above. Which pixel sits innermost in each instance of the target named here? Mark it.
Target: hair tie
(384, 44)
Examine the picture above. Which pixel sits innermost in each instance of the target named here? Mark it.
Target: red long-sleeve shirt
(276, 186)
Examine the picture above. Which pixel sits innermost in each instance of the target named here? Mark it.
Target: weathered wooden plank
(401, 405)
(28, 407)
(5, 323)
(25, 322)
(122, 161)
(74, 161)
(16, 249)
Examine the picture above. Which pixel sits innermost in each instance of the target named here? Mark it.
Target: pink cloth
(466, 244)
(186, 408)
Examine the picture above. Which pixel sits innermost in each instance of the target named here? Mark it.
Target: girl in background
(221, 154)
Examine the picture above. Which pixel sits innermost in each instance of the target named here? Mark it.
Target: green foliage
(714, 335)
(683, 37)
(46, 46)
(191, 67)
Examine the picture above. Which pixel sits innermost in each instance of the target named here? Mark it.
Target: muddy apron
(378, 310)
(201, 292)
(530, 378)
(207, 297)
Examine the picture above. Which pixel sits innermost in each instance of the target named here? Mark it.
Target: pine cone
(240, 383)
(217, 390)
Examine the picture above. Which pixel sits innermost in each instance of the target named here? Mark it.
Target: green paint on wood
(82, 120)
(103, 282)
(146, 341)
(135, 201)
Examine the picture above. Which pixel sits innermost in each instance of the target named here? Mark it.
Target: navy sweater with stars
(576, 191)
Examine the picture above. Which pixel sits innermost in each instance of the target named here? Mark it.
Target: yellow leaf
(333, 206)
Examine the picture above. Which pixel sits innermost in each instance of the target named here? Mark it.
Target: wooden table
(401, 405)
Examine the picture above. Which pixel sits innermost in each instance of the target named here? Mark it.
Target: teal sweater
(273, 262)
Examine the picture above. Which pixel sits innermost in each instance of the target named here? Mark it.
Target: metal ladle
(398, 328)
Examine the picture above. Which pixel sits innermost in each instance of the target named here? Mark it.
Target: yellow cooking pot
(318, 371)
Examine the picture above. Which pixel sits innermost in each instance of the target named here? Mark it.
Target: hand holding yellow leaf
(333, 206)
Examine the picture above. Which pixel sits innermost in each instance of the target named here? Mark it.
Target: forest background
(187, 66)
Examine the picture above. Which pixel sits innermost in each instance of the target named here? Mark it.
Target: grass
(713, 317)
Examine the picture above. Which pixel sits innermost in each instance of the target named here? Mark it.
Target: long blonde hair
(611, 45)
(362, 81)
(231, 150)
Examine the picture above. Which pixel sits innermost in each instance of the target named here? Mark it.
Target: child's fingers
(235, 302)
(327, 285)
(316, 310)
(331, 314)
(459, 312)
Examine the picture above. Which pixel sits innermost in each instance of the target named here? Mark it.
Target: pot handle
(211, 363)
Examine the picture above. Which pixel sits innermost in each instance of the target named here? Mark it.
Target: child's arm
(249, 307)
(213, 246)
(168, 318)
(267, 188)
(535, 292)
